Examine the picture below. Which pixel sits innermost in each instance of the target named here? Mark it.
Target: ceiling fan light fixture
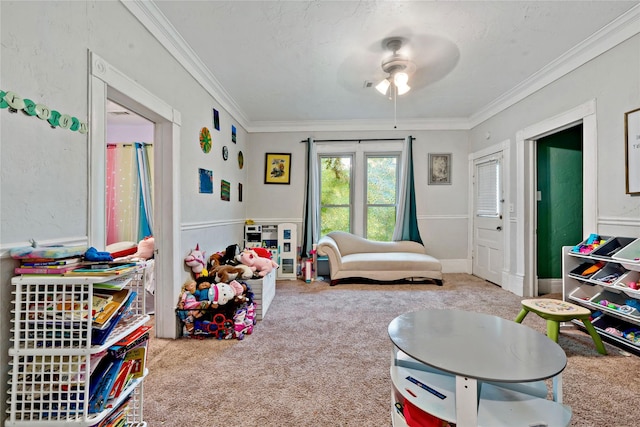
(383, 86)
(403, 89)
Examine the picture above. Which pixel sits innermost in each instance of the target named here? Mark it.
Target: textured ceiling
(309, 61)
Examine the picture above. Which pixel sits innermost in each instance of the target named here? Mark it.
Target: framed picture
(205, 177)
(216, 119)
(277, 168)
(632, 150)
(439, 168)
(225, 190)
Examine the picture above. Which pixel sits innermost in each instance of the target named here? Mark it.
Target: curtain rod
(358, 139)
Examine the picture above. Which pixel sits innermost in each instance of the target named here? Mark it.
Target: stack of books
(48, 265)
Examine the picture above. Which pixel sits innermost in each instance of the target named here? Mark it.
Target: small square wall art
(225, 190)
(206, 181)
(233, 134)
(216, 119)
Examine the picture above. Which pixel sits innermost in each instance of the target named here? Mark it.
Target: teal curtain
(406, 219)
(311, 214)
(145, 207)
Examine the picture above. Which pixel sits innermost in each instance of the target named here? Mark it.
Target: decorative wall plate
(240, 160)
(205, 140)
(225, 153)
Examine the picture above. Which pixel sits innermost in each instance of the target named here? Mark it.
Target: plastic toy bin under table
(584, 293)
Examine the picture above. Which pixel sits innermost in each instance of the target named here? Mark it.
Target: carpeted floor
(321, 358)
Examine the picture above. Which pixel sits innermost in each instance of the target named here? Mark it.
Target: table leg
(466, 402)
(557, 388)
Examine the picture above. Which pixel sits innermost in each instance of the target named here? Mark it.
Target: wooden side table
(555, 311)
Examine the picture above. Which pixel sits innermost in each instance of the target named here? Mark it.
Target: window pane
(335, 183)
(380, 223)
(487, 197)
(381, 180)
(334, 219)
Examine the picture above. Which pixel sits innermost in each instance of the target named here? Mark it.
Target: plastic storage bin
(611, 247)
(629, 256)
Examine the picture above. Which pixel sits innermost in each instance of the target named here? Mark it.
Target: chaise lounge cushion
(352, 256)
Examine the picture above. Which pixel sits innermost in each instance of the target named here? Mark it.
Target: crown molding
(154, 20)
(616, 32)
(619, 30)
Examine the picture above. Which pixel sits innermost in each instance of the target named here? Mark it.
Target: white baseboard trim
(549, 286)
(513, 283)
(456, 266)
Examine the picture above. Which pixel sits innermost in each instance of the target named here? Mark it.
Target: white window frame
(359, 176)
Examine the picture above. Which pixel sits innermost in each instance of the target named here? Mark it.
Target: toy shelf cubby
(51, 350)
(603, 280)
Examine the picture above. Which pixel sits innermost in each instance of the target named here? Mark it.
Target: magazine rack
(51, 354)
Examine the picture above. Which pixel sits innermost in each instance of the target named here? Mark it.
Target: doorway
(107, 82)
(525, 277)
(488, 176)
(559, 207)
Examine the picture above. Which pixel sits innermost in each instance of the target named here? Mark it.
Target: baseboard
(455, 266)
(549, 286)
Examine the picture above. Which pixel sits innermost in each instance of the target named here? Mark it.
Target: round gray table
(477, 347)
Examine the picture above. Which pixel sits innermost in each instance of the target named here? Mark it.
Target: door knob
(498, 228)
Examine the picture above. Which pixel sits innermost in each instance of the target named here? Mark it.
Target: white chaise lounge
(351, 256)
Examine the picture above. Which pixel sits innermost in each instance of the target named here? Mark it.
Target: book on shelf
(64, 269)
(99, 336)
(102, 381)
(112, 302)
(109, 271)
(51, 262)
(139, 357)
(131, 341)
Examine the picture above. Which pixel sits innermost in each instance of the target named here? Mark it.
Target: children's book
(104, 384)
(45, 270)
(115, 301)
(134, 339)
(139, 357)
(51, 262)
(99, 336)
(99, 302)
(122, 379)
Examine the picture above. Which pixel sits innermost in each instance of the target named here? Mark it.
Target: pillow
(120, 249)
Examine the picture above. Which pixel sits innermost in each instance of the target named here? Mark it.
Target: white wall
(441, 209)
(44, 171)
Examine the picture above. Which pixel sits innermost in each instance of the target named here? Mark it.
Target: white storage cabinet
(51, 349)
(606, 292)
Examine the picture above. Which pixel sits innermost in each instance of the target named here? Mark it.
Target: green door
(559, 214)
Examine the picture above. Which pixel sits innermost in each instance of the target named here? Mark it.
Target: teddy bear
(261, 266)
(220, 294)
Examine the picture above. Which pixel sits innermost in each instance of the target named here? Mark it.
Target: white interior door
(488, 236)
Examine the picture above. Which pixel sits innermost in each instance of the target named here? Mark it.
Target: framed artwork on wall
(225, 190)
(439, 168)
(205, 177)
(216, 119)
(632, 150)
(277, 168)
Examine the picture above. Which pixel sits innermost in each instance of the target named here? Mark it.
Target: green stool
(556, 311)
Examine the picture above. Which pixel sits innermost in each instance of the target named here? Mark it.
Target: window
(488, 188)
(359, 188)
(335, 193)
(382, 191)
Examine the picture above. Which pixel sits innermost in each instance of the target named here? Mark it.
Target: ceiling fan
(398, 68)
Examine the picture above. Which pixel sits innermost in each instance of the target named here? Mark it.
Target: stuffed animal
(144, 251)
(263, 252)
(195, 260)
(220, 294)
(261, 266)
(226, 273)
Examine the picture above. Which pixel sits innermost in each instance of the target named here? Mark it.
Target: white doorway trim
(108, 82)
(526, 181)
(503, 147)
